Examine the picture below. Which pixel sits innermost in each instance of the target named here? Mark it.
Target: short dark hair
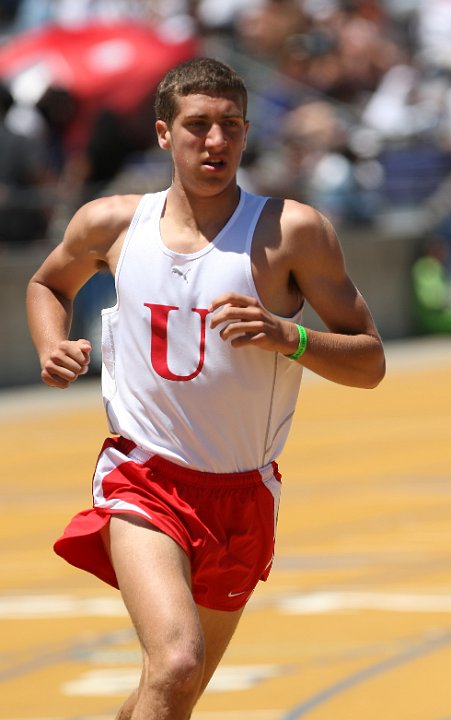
(199, 75)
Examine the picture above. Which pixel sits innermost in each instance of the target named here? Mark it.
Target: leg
(154, 577)
(218, 628)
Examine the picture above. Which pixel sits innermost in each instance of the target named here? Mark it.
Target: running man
(202, 363)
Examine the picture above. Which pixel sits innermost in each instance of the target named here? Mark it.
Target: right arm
(91, 241)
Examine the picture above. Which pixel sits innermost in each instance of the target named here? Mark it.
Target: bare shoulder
(303, 221)
(92, 241)
(296, 219)
(304, 232)
(100, 223)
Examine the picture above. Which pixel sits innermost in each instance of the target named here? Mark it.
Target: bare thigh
(154, 575)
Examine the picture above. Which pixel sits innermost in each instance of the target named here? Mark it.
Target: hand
(66, 362)
(248, 323)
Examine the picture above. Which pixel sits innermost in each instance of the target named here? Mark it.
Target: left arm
(351, 351)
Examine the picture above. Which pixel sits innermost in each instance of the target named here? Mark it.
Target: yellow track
(355, 620)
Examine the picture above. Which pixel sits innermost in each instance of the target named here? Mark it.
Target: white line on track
(23, 607)
(328, 602)
(59, 606)
(109, 682)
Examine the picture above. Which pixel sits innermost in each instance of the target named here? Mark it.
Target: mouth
(213, 164)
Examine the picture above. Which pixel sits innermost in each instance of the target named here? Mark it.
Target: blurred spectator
(413, 171)
(367, 47)
(176, 19)
(434, 32)
(350, 99)
(264, 28)
(113, 141)
(409, 111)
(32, 13)
(340, 48)
(8, 12)
(405, 103)
(312, 59)
(222, 17)
(313, 164)
(23, 217)
(58, 108)
(431, 283)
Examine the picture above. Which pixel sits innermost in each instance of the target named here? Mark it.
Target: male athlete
(202, 362)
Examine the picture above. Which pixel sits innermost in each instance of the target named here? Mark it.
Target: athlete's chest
(158, 275)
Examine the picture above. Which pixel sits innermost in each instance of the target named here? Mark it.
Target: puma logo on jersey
(178, 271)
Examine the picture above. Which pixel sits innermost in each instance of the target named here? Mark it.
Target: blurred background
(350, 109)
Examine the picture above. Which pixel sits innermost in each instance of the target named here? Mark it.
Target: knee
(179, 670)
(185, 669)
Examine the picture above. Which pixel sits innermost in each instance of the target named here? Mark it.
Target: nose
(215, 136)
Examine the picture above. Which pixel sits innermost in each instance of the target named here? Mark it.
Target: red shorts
(224, 522)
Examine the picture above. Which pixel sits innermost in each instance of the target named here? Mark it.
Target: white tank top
(169, 382)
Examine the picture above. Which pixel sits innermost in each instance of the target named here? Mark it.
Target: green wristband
(302, 347)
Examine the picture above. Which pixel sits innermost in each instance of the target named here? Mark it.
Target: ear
(246, 130)
(163, 135)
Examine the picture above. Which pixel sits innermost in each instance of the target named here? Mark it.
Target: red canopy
(114, 65)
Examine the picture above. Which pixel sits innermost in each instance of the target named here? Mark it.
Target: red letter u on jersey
(159, 341)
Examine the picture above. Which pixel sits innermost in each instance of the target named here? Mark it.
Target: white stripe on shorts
(109, 460)
(274, 486)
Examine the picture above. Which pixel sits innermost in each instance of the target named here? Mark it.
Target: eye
(195, 123)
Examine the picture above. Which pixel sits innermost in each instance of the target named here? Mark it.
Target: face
(206, 141)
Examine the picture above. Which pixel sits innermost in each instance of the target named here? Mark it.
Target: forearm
(49, 317)
(355, 360)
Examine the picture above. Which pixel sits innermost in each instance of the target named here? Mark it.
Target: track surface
(355, 620)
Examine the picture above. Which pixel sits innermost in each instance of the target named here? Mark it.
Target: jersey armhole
(135, 219)
(261, 202)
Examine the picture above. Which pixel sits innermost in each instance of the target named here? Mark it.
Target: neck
(203, 216)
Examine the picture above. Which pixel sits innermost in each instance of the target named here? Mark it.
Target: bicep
(77, 258)
(340, 305)
(64, 272)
